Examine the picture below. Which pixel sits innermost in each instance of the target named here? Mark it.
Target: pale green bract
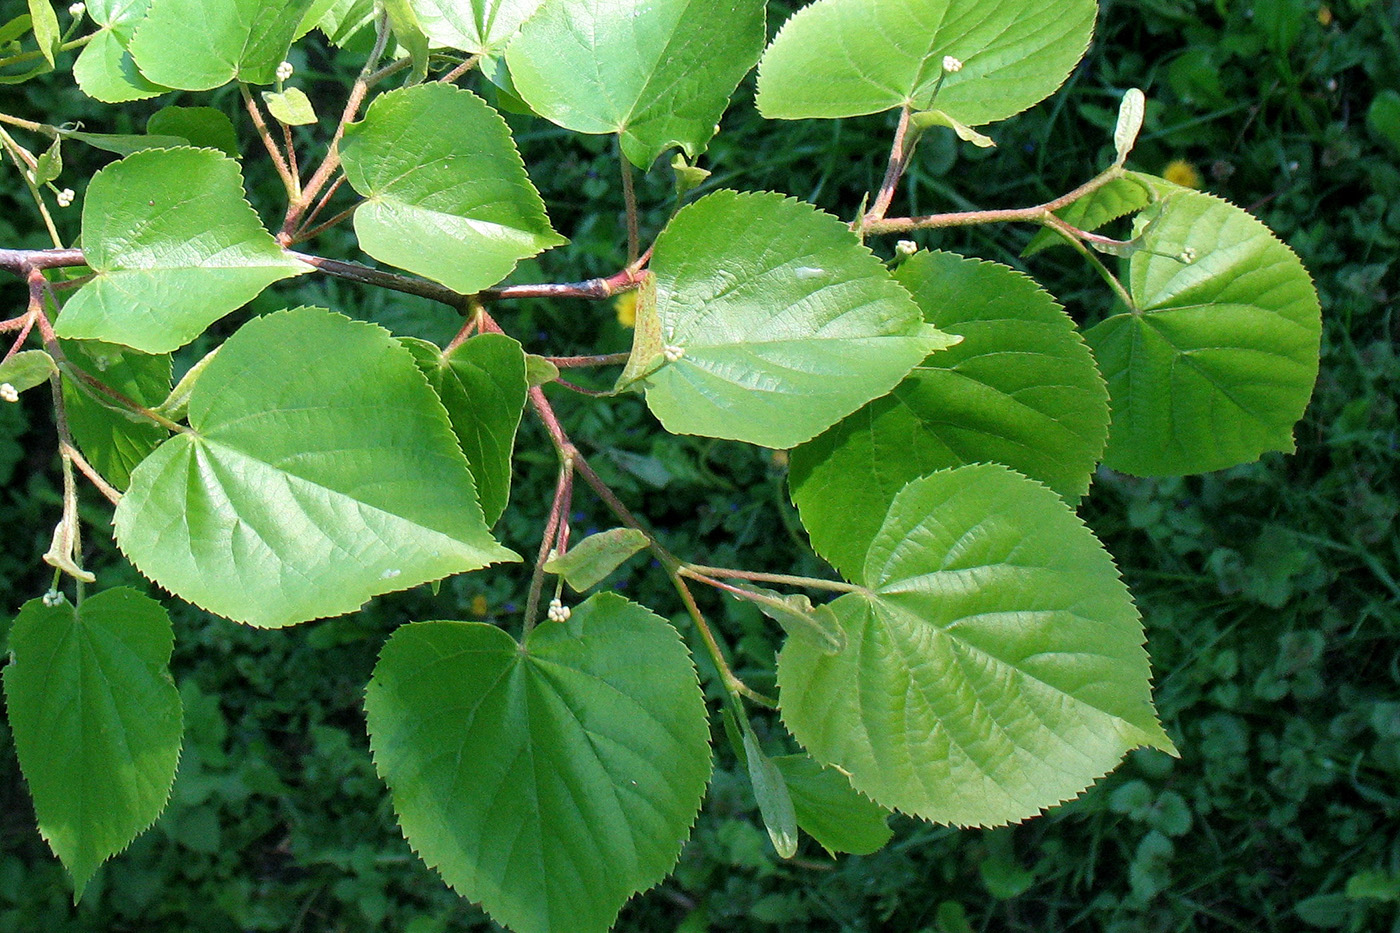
(481, 383)
(96, 721)
(169, 259)
(844, 58)
(774, 322)
(657, 72)
(549, 781)
(308, 483)
(479, 27)
(1218, 361)
(198, 45)
(1021, 390)
(771, 793)
(448, 197)
(1103, 205)
(994, 665)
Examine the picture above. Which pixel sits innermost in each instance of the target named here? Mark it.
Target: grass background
(1269, 591)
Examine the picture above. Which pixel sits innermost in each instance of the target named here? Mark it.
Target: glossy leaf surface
(309, 483)
(96, 721)
(482, 385)
(658, 72)
(1219, 361)
(448, 197)
(105, 69)
(995, 666)
(843, 58)
(198, 45)
(780, 322)
(1021, 389)
(478, 27)
(170, 259)
(549, 781)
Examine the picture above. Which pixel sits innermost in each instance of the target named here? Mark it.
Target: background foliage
(1271, 592)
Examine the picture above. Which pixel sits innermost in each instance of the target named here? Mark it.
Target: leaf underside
(994, 667)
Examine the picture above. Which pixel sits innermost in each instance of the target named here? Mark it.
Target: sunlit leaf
(774, 320)
(169, 259)
(843, 58)
(448, 197)
(657, 72)
(1218, 362)
(993, 666)
(320, 470)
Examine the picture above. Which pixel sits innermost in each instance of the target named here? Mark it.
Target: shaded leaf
(549, 781)
(96, 721)
(112, 439)
(592, 560)
(482, 385)
(1118, 198)
(202, 127)
(1021, 389)
(771, 792)
(830, 811)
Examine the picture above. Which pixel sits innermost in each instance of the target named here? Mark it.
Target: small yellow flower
(626, 307)
(780, 458)
(1181, 172)
(480, 607)
(1324, 15)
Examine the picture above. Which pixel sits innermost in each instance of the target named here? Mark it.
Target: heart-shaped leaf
(198, 45)
(1218, 361)
(479, 27)
(169, 259)
(448, 194)
(774, 322)
(96, 721)
(105, 69)
(843, 58)
(321, 470)
(657, 72)
(549, 781)
(993, 665)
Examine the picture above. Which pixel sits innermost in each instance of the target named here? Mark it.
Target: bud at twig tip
(952, 65)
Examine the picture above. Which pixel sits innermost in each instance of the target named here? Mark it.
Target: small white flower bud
(673, 353)
(77, 10)
(53, 598)
(284, 71)
(952, 65)
(65, 197)
(906, 248)
(8, 393)
(558, 612)
(1188, 255)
